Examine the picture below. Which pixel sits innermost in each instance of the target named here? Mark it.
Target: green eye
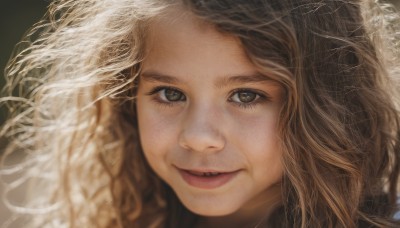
(244, 97)
(167, 95)
(171, 95)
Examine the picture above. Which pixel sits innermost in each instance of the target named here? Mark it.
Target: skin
(210, 125)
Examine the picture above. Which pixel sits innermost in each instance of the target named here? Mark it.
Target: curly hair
(71, 96)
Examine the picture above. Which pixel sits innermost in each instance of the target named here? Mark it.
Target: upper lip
(206, 170)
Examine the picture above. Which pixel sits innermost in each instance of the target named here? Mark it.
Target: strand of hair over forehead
(78, 46)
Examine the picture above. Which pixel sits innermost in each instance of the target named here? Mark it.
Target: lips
(206, 179)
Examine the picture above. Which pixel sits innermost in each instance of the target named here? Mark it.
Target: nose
(202, 131)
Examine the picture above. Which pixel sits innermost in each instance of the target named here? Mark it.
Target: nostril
(201, 140)
(202, 131)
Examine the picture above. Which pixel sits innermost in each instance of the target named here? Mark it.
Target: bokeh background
(16, 16)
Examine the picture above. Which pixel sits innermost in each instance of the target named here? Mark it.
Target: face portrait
(207, 119)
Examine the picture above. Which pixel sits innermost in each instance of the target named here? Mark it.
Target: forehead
(182, 28)
(179, 38)
(181, 21)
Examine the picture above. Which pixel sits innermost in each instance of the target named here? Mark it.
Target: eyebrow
(154, 76)
(242, 79)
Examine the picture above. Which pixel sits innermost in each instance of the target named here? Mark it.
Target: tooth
(210, 174)
(204, 174)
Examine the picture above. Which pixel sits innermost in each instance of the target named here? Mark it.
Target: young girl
(200, 113)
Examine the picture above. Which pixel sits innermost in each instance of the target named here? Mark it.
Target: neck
(254, 213)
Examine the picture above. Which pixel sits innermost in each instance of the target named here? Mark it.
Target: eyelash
(261, 97)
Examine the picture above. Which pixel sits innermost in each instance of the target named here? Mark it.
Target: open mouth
(207, 179)
(204, 174)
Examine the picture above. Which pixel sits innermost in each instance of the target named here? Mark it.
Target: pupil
(247, 97)
(173, 95)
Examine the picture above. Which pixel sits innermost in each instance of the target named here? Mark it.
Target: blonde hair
(71, 87)
(71, 80)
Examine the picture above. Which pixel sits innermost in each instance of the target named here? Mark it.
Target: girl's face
(207, 118)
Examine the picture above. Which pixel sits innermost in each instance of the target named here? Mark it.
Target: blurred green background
(16, 16)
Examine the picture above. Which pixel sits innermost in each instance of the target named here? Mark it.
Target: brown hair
(339, 127)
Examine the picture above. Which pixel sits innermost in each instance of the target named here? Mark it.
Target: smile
(206, 179)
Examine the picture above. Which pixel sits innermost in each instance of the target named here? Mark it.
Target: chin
(210, 210)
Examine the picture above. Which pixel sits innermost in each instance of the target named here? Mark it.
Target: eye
(171, 95)
(248, 98)
(168, 94)
(244, 96)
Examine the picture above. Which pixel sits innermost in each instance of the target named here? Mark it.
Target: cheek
(156, 134)
(260, 143)
(152, 131)
(152, 146)
(258, 132)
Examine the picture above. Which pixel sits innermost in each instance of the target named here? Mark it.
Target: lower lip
(209, 182)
